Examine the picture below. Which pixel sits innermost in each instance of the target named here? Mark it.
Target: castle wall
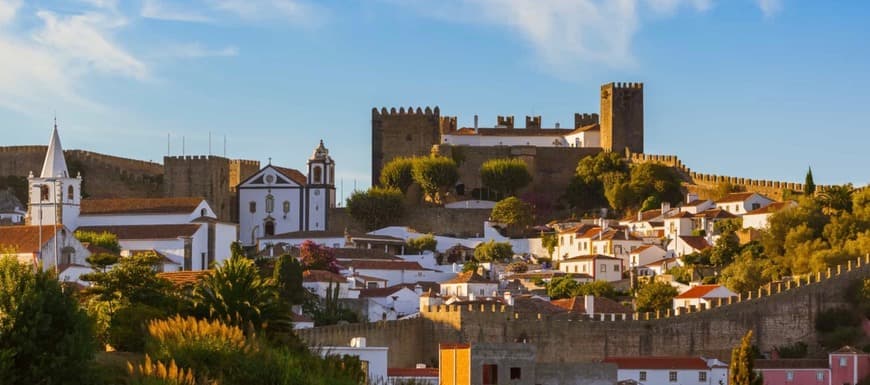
(199, 176)
(437, 220)
(402, 132)
(778, 314)
(622, 116)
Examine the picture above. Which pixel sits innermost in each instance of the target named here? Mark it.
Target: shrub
(435, 174)
(105, 240)
(517, 267)
(512, 212)
(375, 207)
(156, 373)
(398, 174)
(204, 346)
(505, 175)
(795, 350)
(832, 319)
(426, 242)
(128, 326)
(493, 251)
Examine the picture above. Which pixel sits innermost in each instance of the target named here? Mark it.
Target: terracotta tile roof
(617, 235)
(412, 372)
(588, 257)
(307, 235)
(792, 363)
(368, 254)
(714, 214)
(846, 350)
(146, 231)
(695, 242)
(183, 278)
(696, 202)
(697, 292)
(467, 277)
(644, 216)
(139, 206)
(531, 305)
(25, 239)
(600, 305)
(383, 292)
(737, 197)
(662, 261)
(523, 132)
(376, 238)
(293, 174)
(681, 214)
(772, 208)
(538, 275)
(641, 248)
(322, 276)
(693, 363)
(381, 265)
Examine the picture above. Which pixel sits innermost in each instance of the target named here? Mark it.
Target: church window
(317, 174)
(43, 193)
(203, 212)
(252, 207)
(286, 207)
(270, 203)
(269, 227)
(70, 193)
(331, 175)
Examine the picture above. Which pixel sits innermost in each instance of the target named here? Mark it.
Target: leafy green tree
(596, 288)
(725, 249)
(513, 212)
(836, 199)
(493, 251)
(505, 175)
(742, 368)
(317, 257)
(435, 174)
(235, 293)
(681, 274)
(586, 190)
(861, 203)
(655, 180)
(133, 280)
(470, 266)
(562, 287)
(45, 338)
(102, 261)
(424, 243)
(655, 296)
(105, 240)
(376, 207)
(287, 276)
(550, 241)
(398, 174)
(746, 274)
(809, 185)
(329, 310)
(620, 194)
(808, 213)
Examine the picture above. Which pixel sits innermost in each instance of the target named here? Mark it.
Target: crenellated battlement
(447, 124)
(585, 119)
(245, 162)
(533, 122)
(505, 121)
(428, 111)
(629, 85)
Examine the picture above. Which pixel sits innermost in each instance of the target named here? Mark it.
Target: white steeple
(55, 164)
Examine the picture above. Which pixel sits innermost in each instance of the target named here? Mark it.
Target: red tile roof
(696, 202)
(183, 278)
(772, 208)
(293, 174)
(139, 206)
(382, 292)
(588, 257)
(381, 265)
(737, 197)
(412, 372)
(714, 214)
(524, 132)
(641, 248)
(693, 363)
(25, 239)
(367, 254)
(322, 276)
(600, 305)
(468, 277)
(698, 291)
(146, 231)
(695, 242)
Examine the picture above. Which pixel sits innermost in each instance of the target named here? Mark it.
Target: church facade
(277, 200)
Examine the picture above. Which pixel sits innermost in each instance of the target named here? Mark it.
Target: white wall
(375, 356)
(396, 277)
(64, 239)
(756, 201)
(662, 376)
(225, 234)
(320, 289)
(317, 207)
(489, 140)
(283, 222)
(133, 219)
(756, 221)
(407, 302)
(464, 289)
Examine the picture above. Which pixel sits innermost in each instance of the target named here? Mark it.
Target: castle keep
(416, 132)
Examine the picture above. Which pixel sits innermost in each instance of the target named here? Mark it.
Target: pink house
(846, 366)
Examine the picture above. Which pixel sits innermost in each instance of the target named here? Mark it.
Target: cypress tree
(741, 371)
(809, 185)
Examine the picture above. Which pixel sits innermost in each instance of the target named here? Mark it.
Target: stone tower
(54, 196)
(622, 117)
(402, 133)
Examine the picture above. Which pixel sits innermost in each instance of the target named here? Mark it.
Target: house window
(70, 193)
(202, 261)
(516, 373)
(615, 267)
(842, 361)
(286, 207)
(252, 207)
(270, 203)
(575, 268)
(43, 193)
(603, 268)
(641, 376)
(756, 206)
(481, 292)
(789, 376)
(820, 376)
(672, 376)
(584, 268)
(702, 376)
(490, 374)
(371, 285)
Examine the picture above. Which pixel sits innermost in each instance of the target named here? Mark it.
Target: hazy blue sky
(754, 88)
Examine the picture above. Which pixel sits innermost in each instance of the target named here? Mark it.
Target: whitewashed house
(743, 202)
(702, 294)
(47, 245)
(320, 282)
(469, 284)
(670, 370)
(645, 254)
(600, 267)
(757, 219)
(374, 357)
(392, 302)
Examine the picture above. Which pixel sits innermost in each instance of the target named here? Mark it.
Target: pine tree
(809, 185)
(741, 371)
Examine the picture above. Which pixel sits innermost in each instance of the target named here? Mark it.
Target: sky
(760, 89)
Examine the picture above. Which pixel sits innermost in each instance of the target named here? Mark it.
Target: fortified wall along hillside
(778, 314)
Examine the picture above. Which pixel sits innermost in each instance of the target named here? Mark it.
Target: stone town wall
(778, 314)
(436, 220)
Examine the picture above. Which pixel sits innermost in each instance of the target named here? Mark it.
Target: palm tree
(837, 198)
(235, 293)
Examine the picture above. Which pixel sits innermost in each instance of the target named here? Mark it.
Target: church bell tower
(320, 188)
(54, 196)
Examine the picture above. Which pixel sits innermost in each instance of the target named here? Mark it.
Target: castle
(415, 132)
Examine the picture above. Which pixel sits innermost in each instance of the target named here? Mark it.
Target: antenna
(225, 145)
(182, 145)
(209, 143)
(168, 148)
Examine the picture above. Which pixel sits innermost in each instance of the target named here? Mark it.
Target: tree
(809, 185)
(724, 249)
(435, 174)
(44, 337)
(493, 251)
(235, 293)
(655, 180)
(808, 213)
(550, 241)
(655, 296)
(426, 242)
(586, 190)
(375, 207)
(133, 280)
(505, 175)
(287, 276)
(742, 368)
(512, 212)
(562, 287)
(597, 289)
(105, 240)
(317, 257)
(746, 274)
(836, 199)
(398, 174)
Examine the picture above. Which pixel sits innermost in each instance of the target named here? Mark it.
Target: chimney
(666, 206)
(626, 233)
(508, 298)
(418, 289)
(358, 342)
(589, 304)
(639, 215)
(475, 122)
(557, 124)
(471, 296)
(691, 197)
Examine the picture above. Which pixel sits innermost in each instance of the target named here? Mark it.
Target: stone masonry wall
(437, 220)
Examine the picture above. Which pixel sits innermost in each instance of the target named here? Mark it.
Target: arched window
(270, 203)
(70, 193)
(43, 193)
(269, 228)
(317, 174)
(203, 212)
(286, 207)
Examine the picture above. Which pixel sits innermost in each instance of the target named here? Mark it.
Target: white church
(277, 200)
